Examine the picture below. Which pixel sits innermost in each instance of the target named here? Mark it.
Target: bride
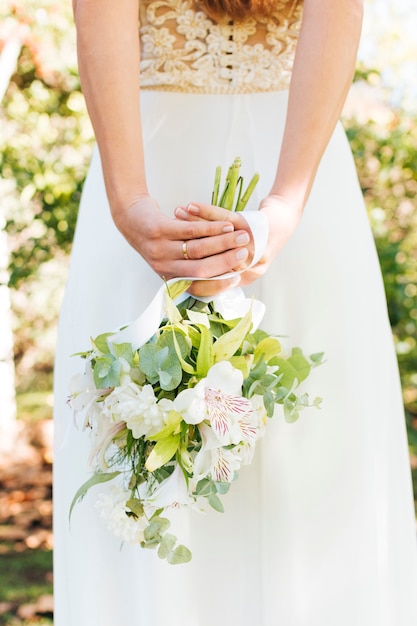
(319, 530)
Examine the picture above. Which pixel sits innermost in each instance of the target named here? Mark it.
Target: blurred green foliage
(386, 158)
(45, 150)
(46, 136)
(46, 142)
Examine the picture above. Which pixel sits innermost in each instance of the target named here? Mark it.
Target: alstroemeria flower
(172, 491)
(218, 399)
(104, 434)
(83, 395)
(213, 459)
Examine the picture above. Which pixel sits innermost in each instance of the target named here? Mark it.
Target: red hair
(243, 9)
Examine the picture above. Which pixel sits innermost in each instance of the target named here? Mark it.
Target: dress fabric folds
(319, 530)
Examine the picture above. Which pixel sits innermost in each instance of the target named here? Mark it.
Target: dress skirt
(319, 530)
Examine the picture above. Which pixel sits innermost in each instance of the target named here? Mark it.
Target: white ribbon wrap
(230, 304)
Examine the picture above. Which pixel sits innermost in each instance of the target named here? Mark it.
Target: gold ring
(184, 251)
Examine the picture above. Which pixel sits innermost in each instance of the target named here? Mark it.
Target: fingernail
(242, 238)
(234, 282)
(228, 228)
(242, 254)
(192, 208)
(179, 212)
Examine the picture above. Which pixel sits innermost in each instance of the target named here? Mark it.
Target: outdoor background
(45, 147)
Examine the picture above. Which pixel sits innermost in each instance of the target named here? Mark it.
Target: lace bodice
(184, 50)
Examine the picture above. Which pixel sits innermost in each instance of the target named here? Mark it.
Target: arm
(323, 70)
(108, 54)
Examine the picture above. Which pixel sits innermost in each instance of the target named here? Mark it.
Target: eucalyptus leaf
(300, 363)
(136, 506)
(123, 350)
(146, 359)
(166, 339)
(216, 503)
(156, 529)
(107, 372)
(100, 343)
(181, 554)
(166, 545)
(222, 488)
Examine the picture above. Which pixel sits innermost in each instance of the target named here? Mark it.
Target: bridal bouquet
(173, 419)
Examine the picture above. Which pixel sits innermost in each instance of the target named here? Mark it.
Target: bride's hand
(160, 241)
(282, 219)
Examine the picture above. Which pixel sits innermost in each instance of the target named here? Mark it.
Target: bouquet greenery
(174, 419)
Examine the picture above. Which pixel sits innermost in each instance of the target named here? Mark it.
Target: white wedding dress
(319, 530)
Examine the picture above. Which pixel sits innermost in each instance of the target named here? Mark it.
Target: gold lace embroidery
(184, 50)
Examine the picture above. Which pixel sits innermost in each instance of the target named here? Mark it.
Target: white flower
(83, 395)
(213, 460)
(103, 434)
(190, 403)
(218, 399)
(111, 504)
(172, 491)
(138, 407)
(260, 417)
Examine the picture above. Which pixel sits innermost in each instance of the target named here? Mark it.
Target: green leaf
(226, 345)
(100, 343)
(96, 479)
(216, 503)
(186, 367)
(268, 348)
(222, 488)
(181, 554)
(205, 487)
(146, 359)
(166, 545)
(205, 353)
(160, 357)
(167, 339)
(170, 375)
(107, 372)
(291, 413)
(173, 422)
(198, 318)
(163, 452)
(317, 358)
(123, 350)
(301, 365)
(178, 288)
(156, 529)
(136, 506)
(242, 363)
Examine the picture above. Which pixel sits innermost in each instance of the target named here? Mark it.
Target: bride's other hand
(282, 219)
(175, 248)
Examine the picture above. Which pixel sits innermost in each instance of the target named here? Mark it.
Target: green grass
(24, 577)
